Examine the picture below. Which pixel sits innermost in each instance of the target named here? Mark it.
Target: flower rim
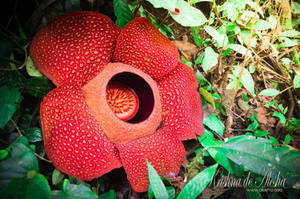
(118, 131)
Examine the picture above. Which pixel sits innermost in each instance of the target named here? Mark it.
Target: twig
(23, 65)
(42, 158)
(137, 8)
(20, 134)
(163, 21)
(16, 126)
(291, 104)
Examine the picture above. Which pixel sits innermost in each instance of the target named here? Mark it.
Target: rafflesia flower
(122, 98)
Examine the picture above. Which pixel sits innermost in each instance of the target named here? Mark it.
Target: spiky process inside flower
(122, 100)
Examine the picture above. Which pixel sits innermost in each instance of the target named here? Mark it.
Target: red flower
(106, 115)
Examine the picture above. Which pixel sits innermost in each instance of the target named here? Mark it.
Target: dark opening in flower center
(130, 97)
(122, 100)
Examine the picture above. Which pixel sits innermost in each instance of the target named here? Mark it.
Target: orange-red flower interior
(122, 97)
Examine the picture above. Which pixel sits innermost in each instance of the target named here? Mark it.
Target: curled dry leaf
(186, 46)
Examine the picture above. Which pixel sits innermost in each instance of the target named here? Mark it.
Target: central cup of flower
(122, 100)
(125, 102)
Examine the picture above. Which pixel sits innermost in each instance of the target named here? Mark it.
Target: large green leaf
(156, 183)
(188, 15)
(258, 156)
(15, 189)
(194, 187)
(122, 12)
(34, 188)
(19, 163)
(209, 142)
(38, 187)
(184, 13)
(8, 104)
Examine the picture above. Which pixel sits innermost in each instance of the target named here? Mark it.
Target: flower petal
(140, 44)
(73, 140)
(163, 150)
(74, 47)
(182, 109)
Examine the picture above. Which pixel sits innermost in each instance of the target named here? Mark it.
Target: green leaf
(296, 81)
(295, 7)
(246, 79)
(253, 6)
(156, 183)
(75, 191)
(171, 192)
(21, 188)
(280, 116)
(221, 39)
(188, 15)
(258, 156)
(108, 195)
(15, 189)
(207, 96)
(21, 160)
(8, 106)
(57, 176)
(269, 92)
(287, 139)
(214, 124)
(290, 33)
(3, 154)
(244, 38)
(122, 12)
(260, 133)
(194, 187)
(34, 134)
(263, 25)
(210, 59)
(196, 36)
(288, 42)
(240, 49)
(208, 141)
(230, 9)
(31, 68)
(39, 86)
(38, 187)
(273, 140)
